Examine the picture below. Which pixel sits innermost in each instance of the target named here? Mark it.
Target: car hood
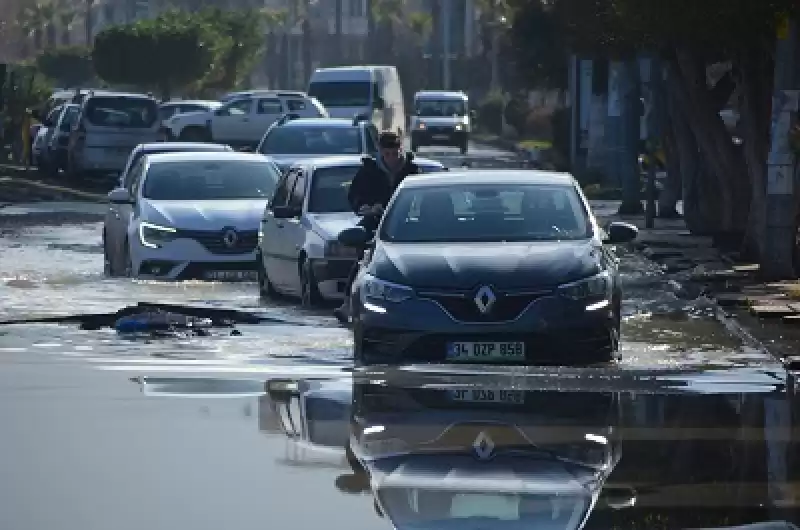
(244, 214)
(329, 225)
(501, 265)
(348, 112)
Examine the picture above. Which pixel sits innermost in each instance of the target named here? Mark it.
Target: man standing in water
(370, 192)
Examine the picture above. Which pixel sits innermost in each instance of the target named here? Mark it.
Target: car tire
(310, 296)
(265, 287)
(108, 266)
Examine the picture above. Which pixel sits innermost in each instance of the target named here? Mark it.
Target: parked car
(170, 109)
(498, 266)
(54, 153)
(109, 127)
(298, 253)
(292, 139)
(189, 215)
(242, 122)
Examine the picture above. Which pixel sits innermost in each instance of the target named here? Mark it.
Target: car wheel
(265, 287)
(309, 287)
(108, 266)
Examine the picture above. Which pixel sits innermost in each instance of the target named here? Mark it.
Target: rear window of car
(121, 111)
(314, 140)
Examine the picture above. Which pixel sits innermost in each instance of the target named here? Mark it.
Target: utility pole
(447, 15)
(338, 31)
(88, 21)
(574, 127)
(630, 132)
(777, 259)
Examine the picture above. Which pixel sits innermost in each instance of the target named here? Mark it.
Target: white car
(189, 215)
(243, 121)
(298, 252)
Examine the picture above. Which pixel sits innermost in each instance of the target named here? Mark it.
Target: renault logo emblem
(230, 238)
(485, 299)
(483, 446)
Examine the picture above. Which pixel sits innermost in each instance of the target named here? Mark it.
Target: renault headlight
(375, 290)
(154, 236)
(596, 286)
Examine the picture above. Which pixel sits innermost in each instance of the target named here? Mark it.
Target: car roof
(320, 122)
(182, 146)
(205, 156)
(191, 102)
(109, 93)
(444, 94)
(353, 160)
(490, 176)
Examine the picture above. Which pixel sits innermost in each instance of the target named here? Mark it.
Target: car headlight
(459, 126)
(153, 236)
(421, 126)
(595, 286)
(374, 289)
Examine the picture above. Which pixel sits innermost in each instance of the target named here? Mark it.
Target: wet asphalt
(252, 431)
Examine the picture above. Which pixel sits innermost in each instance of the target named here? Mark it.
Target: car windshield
(329, 187)
(486, 212)
(341, 93)
(426, 509)
(204, 180)
(441, 107)
(122, 111)
(314, 140)
(68, 119)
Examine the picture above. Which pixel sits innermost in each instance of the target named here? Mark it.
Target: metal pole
(446, 20)
(777, 261)
(574, 96)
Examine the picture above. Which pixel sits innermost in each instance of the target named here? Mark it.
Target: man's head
(390, 146)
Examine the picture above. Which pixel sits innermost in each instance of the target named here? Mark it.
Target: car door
(272, 231)
(231, 123)
(122, 214)
(267, 110)
(293, 235)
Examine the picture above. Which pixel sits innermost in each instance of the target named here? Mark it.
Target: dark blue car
(501, 266)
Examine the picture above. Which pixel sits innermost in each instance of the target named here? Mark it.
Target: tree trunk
(725, 164)
(756, 85)
(371, 41)
(669, 197)
(307, 41)
(340, 55)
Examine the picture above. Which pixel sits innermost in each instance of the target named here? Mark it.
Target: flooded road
(273, 428)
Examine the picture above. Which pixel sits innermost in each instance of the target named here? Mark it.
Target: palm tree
(32, 21)
(388, 15)
(67, 14)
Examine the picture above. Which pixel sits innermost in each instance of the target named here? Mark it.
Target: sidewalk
(765, 315)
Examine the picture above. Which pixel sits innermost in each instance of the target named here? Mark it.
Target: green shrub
(561, 127)
(516, 114)
(490, 113)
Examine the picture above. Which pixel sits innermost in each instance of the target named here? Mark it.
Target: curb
(94, 197)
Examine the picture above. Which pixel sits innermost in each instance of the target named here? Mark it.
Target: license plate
(486, 351)
(484, 395)
(440, 137)
(231, 275)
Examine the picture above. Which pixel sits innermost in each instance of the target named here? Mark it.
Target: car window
(282, 192)
(298, 191)
(54, 114)
(440, 107)
(487, 212)
(269, 106)
(121, 111)
(237, 107)
(192, 108)
(314, 140)
(135, 178)
(198, 180)
(341, 93)
(68, 118)
(295, 105)
(329, 188)
(165, 112)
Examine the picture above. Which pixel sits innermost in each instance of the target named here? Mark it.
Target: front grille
(440, 130)
(462, 306)
(196, 270)
(214, 241)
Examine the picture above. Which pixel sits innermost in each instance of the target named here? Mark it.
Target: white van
(371, 91)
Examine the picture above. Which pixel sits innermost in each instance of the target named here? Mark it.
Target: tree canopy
(68, 66)
(165, 53)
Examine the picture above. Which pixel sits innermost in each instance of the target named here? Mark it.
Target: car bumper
(185, 259)
(439, 137)
(554, 331)
(331, 276)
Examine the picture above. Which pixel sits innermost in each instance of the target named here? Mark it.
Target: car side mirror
(120, 196)
(379, 103)
(619, 233)
(285, 212)
(355, 237)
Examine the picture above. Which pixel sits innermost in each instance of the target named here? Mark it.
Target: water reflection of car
(313, 414)
(498, 266)
(191, 215)
(482, 457)
(298, 253)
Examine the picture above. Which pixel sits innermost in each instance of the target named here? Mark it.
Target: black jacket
(372, 185)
